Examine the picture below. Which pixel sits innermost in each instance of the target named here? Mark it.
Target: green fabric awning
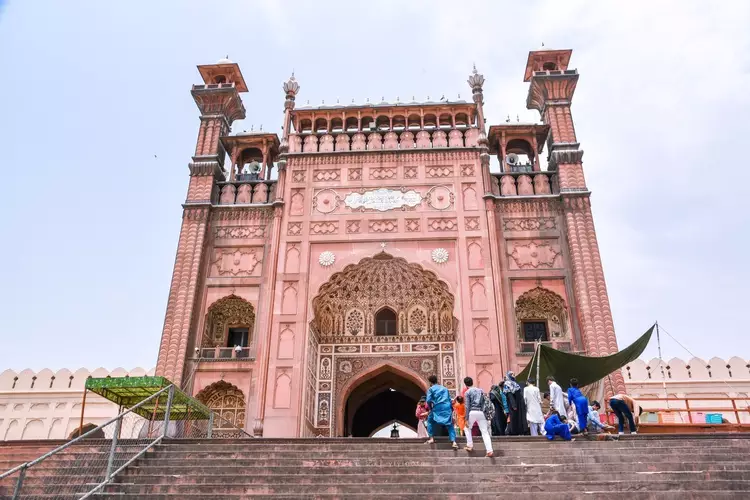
(564, 366)
(129, 391)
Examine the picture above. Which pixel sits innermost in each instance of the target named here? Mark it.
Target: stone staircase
(634, 467)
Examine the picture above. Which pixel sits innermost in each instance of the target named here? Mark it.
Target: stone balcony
(247, 192)
(539, 183)
(225, 353)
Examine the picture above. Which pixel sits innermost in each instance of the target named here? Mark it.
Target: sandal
(454, 445)
(430, 441)
(469, 448)
(489, 454)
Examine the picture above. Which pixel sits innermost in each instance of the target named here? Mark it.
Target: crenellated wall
(47, 404)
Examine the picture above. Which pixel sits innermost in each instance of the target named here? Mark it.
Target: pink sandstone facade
(370, 246)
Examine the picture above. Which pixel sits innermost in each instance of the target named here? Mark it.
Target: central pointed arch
(368, 387)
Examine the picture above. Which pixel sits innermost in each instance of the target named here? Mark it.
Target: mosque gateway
(322, 275)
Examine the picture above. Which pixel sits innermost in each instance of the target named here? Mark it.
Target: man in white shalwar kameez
(533, 400)
(556, 400)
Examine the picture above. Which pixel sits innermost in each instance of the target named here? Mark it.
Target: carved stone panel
(471, 223)
(475, 253)
(439, 171)
(327, 175)
(289, 298)
(328, 227)
(383, 226)
(240, 232)
(230, 262)
(282, 397)
(529, 223)
(294, 229)
(478, 294)
(482, 344)
(297, 204)
(469, 197)
(285, 348)
(534, 254)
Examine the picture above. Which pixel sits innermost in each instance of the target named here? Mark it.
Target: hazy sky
(97, 128)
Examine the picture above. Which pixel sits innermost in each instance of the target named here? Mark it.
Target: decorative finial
(352, 100)
(337, 100)
(227, 56)
(308, 102)
(251, 127)
(322, 101)
(413, 98)
(261, 127)
(507, 120)
(459, 96)
(382, 99)
(428, 98)
(542, 44)
(518, 119)
(476, 80)
(368, 99)
(398, 99)
(475, 68)
(291, 87)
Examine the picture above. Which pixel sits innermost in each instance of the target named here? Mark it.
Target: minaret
(219, 103)
(551, 90)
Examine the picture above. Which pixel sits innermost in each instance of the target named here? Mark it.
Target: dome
(224, 60)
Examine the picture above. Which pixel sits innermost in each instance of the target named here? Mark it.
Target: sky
(97, 128)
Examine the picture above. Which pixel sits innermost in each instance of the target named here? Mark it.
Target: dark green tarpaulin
(564, 366)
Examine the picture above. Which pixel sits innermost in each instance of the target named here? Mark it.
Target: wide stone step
(592, 487)
(565, 453)
(490, 466)
(409, 477)
(459, 458)
(660, 495)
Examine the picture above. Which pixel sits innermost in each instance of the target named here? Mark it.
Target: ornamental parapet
(520, 184)
(246, 191)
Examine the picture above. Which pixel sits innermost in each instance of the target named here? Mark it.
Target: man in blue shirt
(555, 426)
(441, 410)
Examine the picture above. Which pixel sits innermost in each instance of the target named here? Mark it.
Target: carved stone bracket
(566, 157)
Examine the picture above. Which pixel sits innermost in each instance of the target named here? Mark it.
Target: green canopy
(129, 391)
(564, 366)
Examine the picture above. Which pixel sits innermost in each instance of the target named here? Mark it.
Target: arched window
(386, 322)
(549, 66)
(227, 401)
(220, 79)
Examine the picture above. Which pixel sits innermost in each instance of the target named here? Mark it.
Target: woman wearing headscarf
(500, 402)
(516, 404)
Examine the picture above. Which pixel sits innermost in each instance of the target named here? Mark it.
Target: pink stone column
(182, 294)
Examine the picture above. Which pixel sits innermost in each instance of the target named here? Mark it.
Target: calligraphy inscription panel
(383, 200)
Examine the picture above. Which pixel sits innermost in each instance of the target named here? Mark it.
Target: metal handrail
(111, 472)
(79, 438)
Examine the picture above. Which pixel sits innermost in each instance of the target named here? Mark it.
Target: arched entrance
(379, 329)
(378, 398)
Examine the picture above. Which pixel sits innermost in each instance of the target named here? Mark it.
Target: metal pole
(170, 396)
(538, 349)
(210, 425)
(83, 406)
(112, 449)
(19, 484)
